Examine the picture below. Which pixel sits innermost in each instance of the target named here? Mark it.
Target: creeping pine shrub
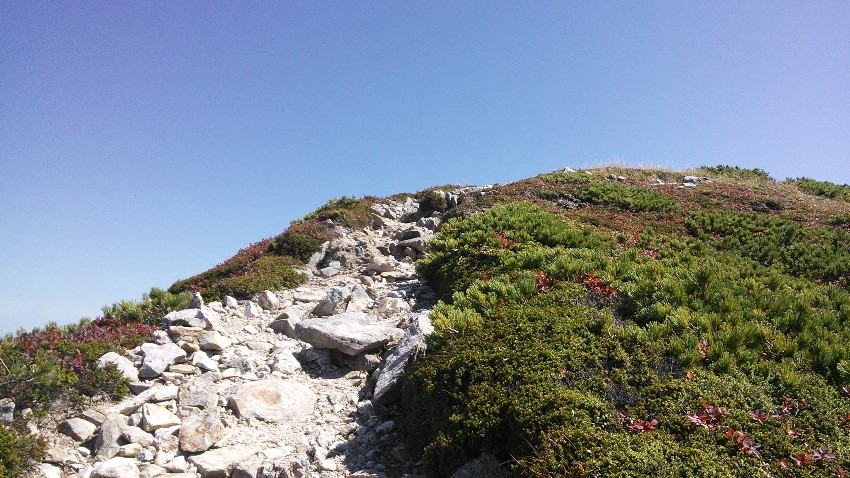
(737, 172)
(345, 211)
(301, 240)
(823, 188)
(251, 270)
(150, 310)
(431, 200)
(19, 450)
(621, 362)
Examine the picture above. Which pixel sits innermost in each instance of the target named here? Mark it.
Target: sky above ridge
(144, 142)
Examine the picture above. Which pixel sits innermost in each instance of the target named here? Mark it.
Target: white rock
(285, 362)
(49, 471)
(78, 429)
(200, 432)
(203, 361)
(382, 264)
(129, 450)
(350, 332)
(159, 358)
(116, 468)
(230, 302)
(156, 416)
(219, 463)
(273, 400)
(251, 310)
(214, 341)
(333, 303)
(267, 300)
(123, 364)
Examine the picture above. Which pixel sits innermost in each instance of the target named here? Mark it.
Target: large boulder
(123, 364)
(273, 400)
(350, 332)
(386, 387)
(106, 446)
(158, 358)
(219, 463)
(200, 432)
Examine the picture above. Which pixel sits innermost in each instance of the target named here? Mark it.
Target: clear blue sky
(143, 142)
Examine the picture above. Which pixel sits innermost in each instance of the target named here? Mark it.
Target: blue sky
(143, 142)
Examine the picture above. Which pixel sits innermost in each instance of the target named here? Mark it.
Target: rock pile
(280, 386)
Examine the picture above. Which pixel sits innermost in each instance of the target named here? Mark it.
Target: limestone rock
(333, 303)
(267, 300)
(251, 310)
(285, 362)
(116, 468)
(219, 463)
(49, 471)
(137, 435)
(78, 429)
(159, 358)
(273, 400)
(106, 445)
(350, 332)
(200, 392)
(202, 317)
(230, 302)
(213, 341)
(200, 432)
(156, 416)
(123, 364)
(386, 387)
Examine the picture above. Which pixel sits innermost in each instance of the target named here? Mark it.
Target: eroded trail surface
(280, 386)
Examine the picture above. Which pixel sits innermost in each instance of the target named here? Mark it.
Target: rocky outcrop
(292, 383)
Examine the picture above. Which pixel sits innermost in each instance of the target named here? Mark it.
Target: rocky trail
(294, 383)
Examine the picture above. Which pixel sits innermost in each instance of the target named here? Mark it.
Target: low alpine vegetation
(690, 343)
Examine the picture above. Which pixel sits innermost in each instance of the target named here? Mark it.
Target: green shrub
(300, 241)
(558, 350)
(345, 211)
(736, 172)
(253, 269)
(151, 309)
(823, 188)
(431, 200)
(19, 450)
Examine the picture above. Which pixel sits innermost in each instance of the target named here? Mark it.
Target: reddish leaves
(636, 425)
(544, 281)
(506, 243)
(710, 417)
(598, 288)
(743, 442)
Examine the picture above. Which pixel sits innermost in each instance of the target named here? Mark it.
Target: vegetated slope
(638, 326)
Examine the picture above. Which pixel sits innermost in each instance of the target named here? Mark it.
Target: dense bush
(345, 211)
(153, 306)
(592, 190)
(19, 450)
(301, 240)
(736, 172)
(823, 188)
(567, 354)
(251, 270)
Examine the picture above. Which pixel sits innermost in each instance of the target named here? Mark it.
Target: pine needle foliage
(566, 352)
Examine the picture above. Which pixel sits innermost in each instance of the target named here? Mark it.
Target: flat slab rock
(350, 332)
(273, 400)
(219, 463)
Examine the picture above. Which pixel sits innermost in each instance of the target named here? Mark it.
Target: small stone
(155, 417)
(116, 468)
(251, 310)
(200, 432)
(78, 428)
(267, 300)
(129, 450)
(214, 341)
(183, 368)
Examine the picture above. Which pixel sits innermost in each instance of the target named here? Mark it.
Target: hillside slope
(612, 321)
